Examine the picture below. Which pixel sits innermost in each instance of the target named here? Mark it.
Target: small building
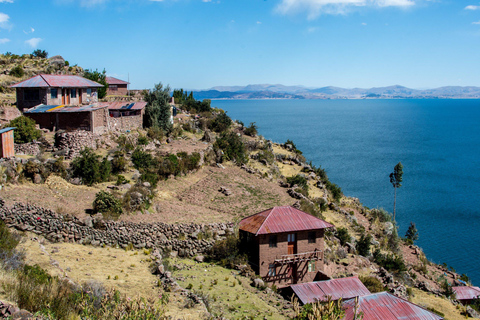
(343, 288)
(386, 306)
(49, 89)
(116, 87)
(284, 245)
(7, 145)
(466, 294)
(59, 117)
(125, 115)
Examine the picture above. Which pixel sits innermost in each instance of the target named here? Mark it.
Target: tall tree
(157, 111)
(396, 181)
(100, 77)
(412, 233)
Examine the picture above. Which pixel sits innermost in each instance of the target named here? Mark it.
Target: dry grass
(441, 304)
(81, 263)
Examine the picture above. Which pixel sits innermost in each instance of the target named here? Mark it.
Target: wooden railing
(299, 257)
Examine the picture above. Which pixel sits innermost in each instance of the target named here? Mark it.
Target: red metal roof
(112, 80)
(56, 81)
(281, 219)
(344, 288)
(466, 292)
(119, 105)
(385, 306)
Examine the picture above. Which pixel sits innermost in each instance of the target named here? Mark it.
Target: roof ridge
(268, 216)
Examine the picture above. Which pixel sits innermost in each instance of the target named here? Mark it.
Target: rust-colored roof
(385, 306)
(344, 288)
(281, 219)
(119, 105)
(466, 292)
(112, 80)
(56, 81)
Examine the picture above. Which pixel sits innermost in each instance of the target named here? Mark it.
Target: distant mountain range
(278, 91)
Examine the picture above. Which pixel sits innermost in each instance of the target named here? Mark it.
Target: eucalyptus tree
(396, 181)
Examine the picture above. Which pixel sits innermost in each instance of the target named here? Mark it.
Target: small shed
(466, 294)
(7, 146)
(345, 288)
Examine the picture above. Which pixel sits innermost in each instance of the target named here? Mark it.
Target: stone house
(116, 87)
(126, 115)
(51, 89)
(284, 245)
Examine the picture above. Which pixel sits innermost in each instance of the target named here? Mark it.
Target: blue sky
(197, 44)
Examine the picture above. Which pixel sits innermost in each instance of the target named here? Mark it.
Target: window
(311, 266)
(312, 237)
(291, 237)
(113, 87)
(89, 92)
(31, 95)
(73, 93)
(272, 270)
(273, 242)
(53, 93)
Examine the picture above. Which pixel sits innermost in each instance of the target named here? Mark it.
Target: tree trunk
(394, 203)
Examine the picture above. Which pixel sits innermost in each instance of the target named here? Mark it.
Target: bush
(8, 241)
(137, 198)
(40, 53)
(34, 167)
(221, 122)
(293, 147)
(89, 168)
(119, 163)
(412, 233)
(334, 189)
(17, 71)
(125, 144)
(227, 252)
(26, 131)
(343, 236)
(59, 168)
(298, 180)
(142, 140)
(107, 204)
(232, 146)
(142, 159)
(372, 283)
(390, 262)
(251, 130)
(363, 245)
(155, 133)
(381, 214)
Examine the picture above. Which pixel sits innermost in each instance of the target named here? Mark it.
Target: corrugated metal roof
(119, 105)
(61, 108)
(385, 306)
(112, 80)
(56, 81)
(281, 219)
(466, 292)
(344, 288)
(7, 129)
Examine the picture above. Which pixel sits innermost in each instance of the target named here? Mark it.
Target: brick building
(51, 89)
(284, 245)
(116, 87)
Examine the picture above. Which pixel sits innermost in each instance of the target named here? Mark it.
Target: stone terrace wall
(74, 142)
(32, 148)
(125, 123)
(182, 239)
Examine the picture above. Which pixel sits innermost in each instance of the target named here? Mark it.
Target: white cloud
(29, 31)
(4, 40)
(83, 3)
(317, 7)
(33, 42)
(259, 22)
(476, 22)
(364, 23)
(6, 1)
(472, 7)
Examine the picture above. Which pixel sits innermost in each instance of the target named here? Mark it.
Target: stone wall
(32, 148)
(74, 142)
(181, 239)
(125, 123)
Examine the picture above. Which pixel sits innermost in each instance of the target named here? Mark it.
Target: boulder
(258, 283)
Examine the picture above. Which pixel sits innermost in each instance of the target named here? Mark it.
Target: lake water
(359, 142)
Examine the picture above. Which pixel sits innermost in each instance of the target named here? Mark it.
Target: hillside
(187, 212)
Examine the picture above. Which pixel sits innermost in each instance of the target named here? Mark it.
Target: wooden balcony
(300, 257)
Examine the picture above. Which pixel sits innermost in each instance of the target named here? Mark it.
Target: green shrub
(390, 262)
(150, 177)
(294, 147)
(25, 130)
(125, 143)
(363, 245)
(251, 130)
(142, 159)
(88, 167)
(8, 241)
(232, 146)
(381, 214)
(343, 236)
(334, 189)
(412, 233)
(34, 167)
(107, 204)
(119, 163)
(298, 180)
(142, 140)
(155, 133)
(221, 122)
(372, 283)
(137, 198)
(59, 168)
(227, 252)
(121, 180)
(17, 71)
